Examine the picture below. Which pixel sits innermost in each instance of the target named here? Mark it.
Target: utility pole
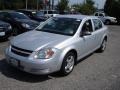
(26, 4)
(45, 4)
(49, 4)
(52, 4)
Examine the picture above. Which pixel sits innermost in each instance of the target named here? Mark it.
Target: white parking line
(2, 46)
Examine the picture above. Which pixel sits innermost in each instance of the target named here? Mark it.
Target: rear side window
(97, 24)
(50, 12)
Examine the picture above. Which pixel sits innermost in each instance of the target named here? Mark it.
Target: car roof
(9, 11)
(47, 10)
(76, 16)
(28, 10)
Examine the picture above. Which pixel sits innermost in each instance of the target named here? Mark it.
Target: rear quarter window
(50, 12)
(97, 24)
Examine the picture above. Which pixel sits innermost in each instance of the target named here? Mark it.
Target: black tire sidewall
(62, 71)
(107, 22)
(101, 47)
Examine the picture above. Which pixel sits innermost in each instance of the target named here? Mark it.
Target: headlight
(9, 27)
(44, 53)
(25, 25)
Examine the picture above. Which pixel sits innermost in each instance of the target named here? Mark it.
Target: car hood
(34, 40)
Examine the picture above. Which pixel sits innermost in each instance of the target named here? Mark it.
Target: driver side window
(87, 27)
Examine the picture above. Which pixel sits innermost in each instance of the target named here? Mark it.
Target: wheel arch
(107, 20)
(104, 37)
(64, 53)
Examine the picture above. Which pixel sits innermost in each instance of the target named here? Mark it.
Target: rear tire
(68, 64)
(103, 46)
(107, 22)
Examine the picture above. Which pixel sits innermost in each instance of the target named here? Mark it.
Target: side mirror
(86, 33)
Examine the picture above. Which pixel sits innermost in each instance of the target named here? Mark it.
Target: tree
(11, 4)
(63, 5)
(20, 4)
(2, 4)
(85, 8)
(112, 8)
(16, 4)
(77, 7)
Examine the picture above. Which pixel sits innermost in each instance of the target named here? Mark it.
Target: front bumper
(27, 64)
(113, 21)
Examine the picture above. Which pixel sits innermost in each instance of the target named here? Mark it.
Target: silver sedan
(57, 44)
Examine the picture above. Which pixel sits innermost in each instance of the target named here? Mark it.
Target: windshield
(19, 16)
(65, 26)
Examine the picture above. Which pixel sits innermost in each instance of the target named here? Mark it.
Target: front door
(88, 37)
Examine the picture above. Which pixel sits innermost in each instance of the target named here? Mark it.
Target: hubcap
(69, 64)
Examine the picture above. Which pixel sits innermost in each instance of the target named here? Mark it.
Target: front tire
(68, 64)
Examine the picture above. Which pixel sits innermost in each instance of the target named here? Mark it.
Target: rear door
(98, 31)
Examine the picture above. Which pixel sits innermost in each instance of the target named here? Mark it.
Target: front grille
(20, 51)
(1, 29)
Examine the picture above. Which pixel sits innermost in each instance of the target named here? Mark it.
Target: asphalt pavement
(99, 71)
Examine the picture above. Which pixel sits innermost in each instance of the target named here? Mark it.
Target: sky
(98, 3)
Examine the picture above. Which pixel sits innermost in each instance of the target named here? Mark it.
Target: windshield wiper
(55, 32)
